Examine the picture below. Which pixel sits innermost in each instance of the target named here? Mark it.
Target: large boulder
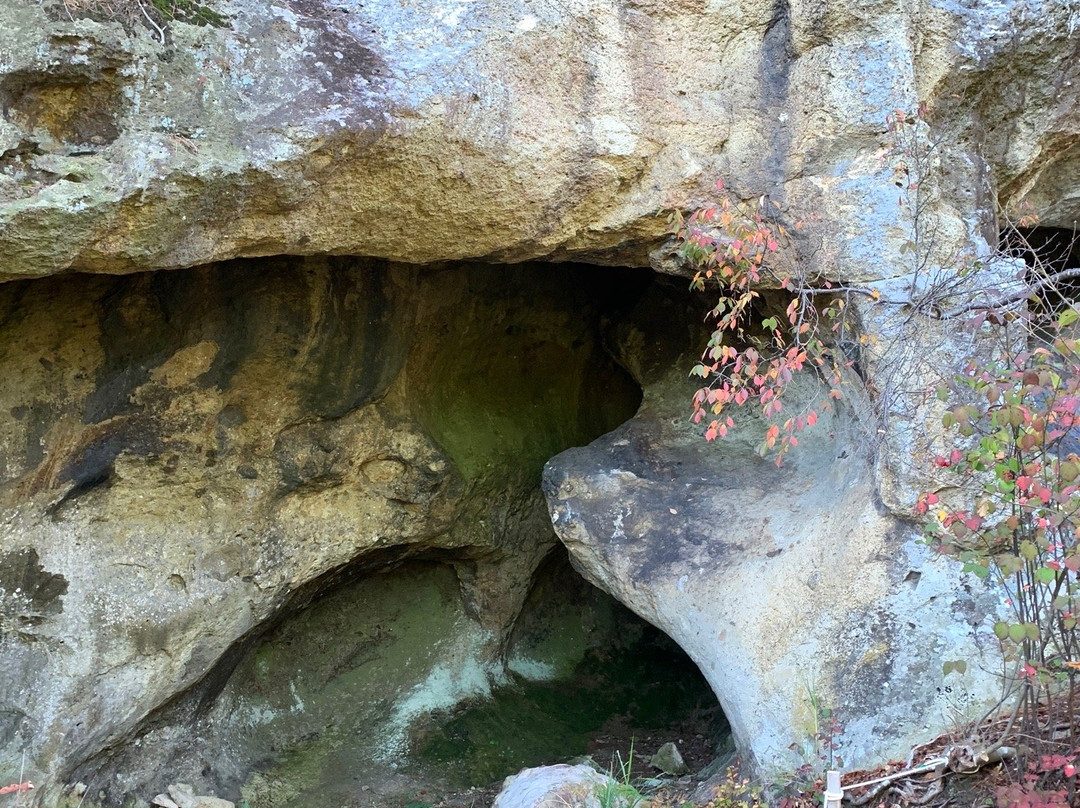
(511, 130)
(800, 598)
(561, 785)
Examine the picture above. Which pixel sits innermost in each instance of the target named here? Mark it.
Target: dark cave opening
(387, 425)
(1049, 254)
(311, 713)
(587, 680)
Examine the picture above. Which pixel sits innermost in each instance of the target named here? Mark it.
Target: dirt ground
(610, 749)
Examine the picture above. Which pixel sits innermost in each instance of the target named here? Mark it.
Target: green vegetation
(157, 15)
(189, 11)
(619, 791)
(532, 723)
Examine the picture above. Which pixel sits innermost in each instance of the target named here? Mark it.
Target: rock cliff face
(184, 452)
(464, 129)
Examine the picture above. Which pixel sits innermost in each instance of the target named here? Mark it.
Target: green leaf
(954, 666)
(1001, 629)
(1045, 575)
(1031, 630)
(1068, 317)
(1008, 563)
(1017, 632)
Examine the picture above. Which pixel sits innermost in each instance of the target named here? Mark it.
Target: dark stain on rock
(38, 416)
(134, 339)
(339, 316)
(13, 723)
(216, 304)
(73, 113)
(29, 594)
(231, 416)
(307, 455)
(777, 57)
(92, 463)
(355, 351)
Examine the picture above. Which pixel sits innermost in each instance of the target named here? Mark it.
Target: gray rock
(133, 556)
(170, 482)
(669, 760)
(560, 786)
(787, 586)
(183, 796)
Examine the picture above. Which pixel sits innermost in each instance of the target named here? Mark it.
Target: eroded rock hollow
(190, 456)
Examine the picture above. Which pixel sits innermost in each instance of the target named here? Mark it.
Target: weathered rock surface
(512, 130)
(789, 587)
(181, 795)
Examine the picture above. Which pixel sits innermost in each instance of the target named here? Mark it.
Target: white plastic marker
(834, 794)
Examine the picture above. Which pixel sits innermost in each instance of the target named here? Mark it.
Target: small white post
(834, 793)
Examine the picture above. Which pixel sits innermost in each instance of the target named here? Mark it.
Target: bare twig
(149, 19)
(1029, 289)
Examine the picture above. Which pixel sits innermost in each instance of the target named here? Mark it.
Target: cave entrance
(379, 694)
(586, 680)
(356, 449)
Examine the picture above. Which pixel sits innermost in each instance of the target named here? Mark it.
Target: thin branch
(150, 20)
(934, 310)
(1013, 297)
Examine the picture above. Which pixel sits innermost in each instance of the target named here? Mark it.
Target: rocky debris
(561, 785)
(668, 760)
